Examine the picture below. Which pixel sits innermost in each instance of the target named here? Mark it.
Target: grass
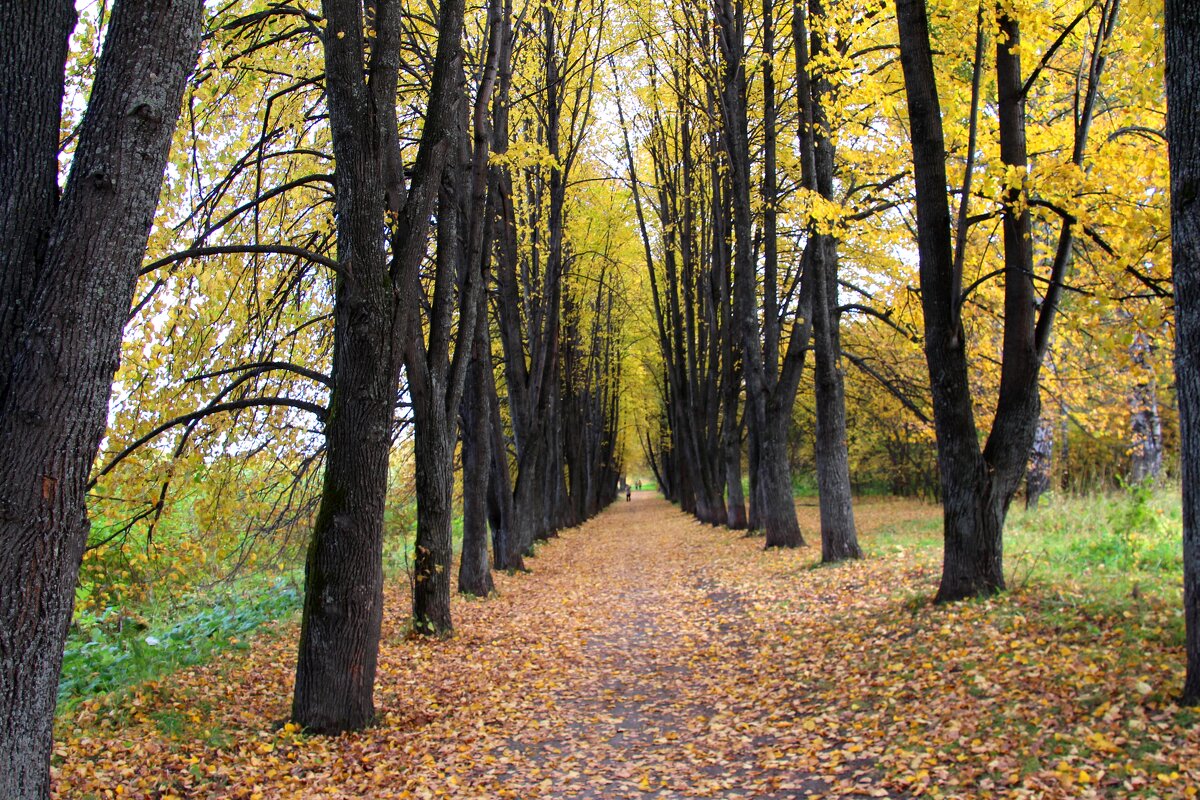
(1119, 544)
(103, 656)
(1102, 566)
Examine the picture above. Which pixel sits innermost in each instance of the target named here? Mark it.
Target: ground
(647, 655)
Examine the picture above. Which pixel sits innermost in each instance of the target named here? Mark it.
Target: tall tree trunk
(343, 583)
(343, 577)
(506, 547)
(474, 574)
(977, 487)
(839, 537)
(434, 454)
(754, 518)
(770, 390)
(1183, 137)
(434, 421)
(972, 557)
(68, 266)
(474, 571)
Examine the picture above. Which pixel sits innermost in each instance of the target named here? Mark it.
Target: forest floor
(647, 655)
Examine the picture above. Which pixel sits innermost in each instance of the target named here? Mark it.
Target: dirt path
(645, 655)
(650, 711)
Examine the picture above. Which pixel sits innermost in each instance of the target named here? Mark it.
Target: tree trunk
(735, 503)
(343, 576)
(754, 521)
(474, 571)
(1147, 450)
(973, 560)
(434, 453)
(67, 272)
(839, 537)
(343, 591)
(770, 390)
(506, 545)
(1183, 136)
(977, 487)
(775, 483)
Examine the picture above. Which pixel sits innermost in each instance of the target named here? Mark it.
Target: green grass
(1100, 548)
(921, 535)
(1115, 544)
(102, 656)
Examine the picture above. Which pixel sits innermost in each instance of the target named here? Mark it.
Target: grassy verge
(1111, 545)
(106, 653)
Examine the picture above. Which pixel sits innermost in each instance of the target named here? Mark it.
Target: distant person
(628, 493)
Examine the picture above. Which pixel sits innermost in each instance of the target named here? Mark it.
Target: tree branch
(218, 408)
(280, 249)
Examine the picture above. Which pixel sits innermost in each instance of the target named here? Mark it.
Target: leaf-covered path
(647, 655)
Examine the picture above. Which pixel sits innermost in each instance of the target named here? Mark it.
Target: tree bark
(1183, 137)
(474, 570)
(67, 272)
(978, 487)
(972, 556)
(343, 579)
(770, 388)
(434, 453)
(839, 536)
(1146, 423)
(343, 591)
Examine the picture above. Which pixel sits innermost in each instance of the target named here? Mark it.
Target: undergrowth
(109, 651)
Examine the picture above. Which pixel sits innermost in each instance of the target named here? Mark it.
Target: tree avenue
(417, 281)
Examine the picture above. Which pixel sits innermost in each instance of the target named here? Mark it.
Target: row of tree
(773, 186)
(1055, 204)
(383, 206)
(292, 276)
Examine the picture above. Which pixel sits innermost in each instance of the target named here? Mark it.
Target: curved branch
(218, 408)
(996, 273)
(264, 366)
(262, 198)
(220, 250)
(882, 316)
(891, 388)
(1053, 48)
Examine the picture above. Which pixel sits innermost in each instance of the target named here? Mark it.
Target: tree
(978, 485)
(1183, 141)
(437, 367)
(533, 254)
(68, 264)
(771, 381)
(373, 311)
(839, 537)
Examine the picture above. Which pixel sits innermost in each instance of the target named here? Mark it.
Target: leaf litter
(647, 655)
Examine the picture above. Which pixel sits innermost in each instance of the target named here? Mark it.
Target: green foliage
(1105, 544)
(110, 651)
(1106, 548)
